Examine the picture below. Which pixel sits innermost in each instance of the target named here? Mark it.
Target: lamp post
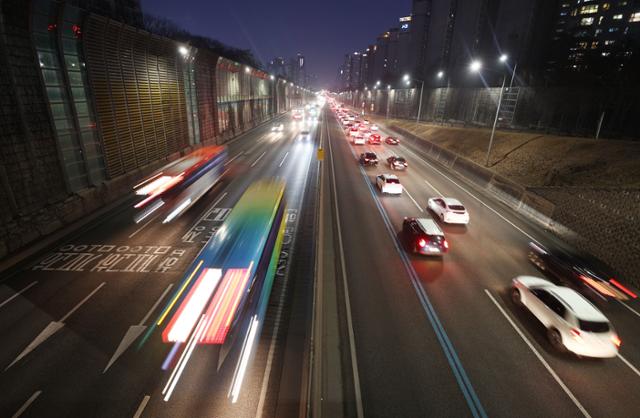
(475, 66)
(407, 78)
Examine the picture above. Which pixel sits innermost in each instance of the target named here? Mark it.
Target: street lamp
(247, 70)
(183, 50)
(407, 79)
(504, 58)
(475, 66)
(272, 77)
(440, 74)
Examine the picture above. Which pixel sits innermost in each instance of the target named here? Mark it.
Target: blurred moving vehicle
(391, 140)
(584, 273)
(174, 188)
(278, 127)
(449, 210)
(424, 236)
(389, 184)
(368, 158)
(572, 322)
(397, 163)
(374, 139)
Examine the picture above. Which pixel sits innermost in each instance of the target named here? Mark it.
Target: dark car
(397, 163)
(368, 158)
(392, 141)
(424, 236)
(584, 273)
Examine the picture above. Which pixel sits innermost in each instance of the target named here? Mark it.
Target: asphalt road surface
(63, 317)
(440, 337)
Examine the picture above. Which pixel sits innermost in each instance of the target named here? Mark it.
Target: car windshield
(370, 155)
(399, 160)
(394, 181)
(456, 207)
(593, 326)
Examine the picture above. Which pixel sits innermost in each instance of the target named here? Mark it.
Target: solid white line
(259, 158)
(206, 212)
(155, 305)
(143, 226)
(628, 363)
(75, 308)
(141, 407)
(539, 356)
(237, 155)
(354, 360)
(413, 200)
(24, 289)
(630, 308)
(474, 196)
(433, 187)
(285, 157)
(26, 404)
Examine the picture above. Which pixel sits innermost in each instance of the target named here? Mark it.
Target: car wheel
(556, 340)
(516, 297)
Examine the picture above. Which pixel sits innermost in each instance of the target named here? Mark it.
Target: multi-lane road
(440, 337)
(72, 322)
(414, 336)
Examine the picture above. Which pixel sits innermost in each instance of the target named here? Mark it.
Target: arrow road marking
(52, 328)
(135, 331)
(27, 404)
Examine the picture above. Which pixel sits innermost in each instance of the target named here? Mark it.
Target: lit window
(606, 54)
(613, 29)
(617, 17)
(635, 17)
(598, 32)
(605, 6)
(609, 42)
(583, 45)
(586, 21)
(566, 4)
(592, 8)
(600, 20)
(594, 44)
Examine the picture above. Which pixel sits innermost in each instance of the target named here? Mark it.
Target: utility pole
(495, 121)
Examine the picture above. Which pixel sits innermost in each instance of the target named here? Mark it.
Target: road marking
(259, 158)
(24, 289)
(27, 404)
(474, 196)
(141, 407)
(229, 161)
(630, 308)
(206, 212)
(134, 332)
(143, 226)
(433, 187)
(413, 200)
(51, 328)
(539, 356)
(285, 157)
(354, 360)
(628, 363)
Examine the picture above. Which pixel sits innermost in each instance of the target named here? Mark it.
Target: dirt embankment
(535, 160)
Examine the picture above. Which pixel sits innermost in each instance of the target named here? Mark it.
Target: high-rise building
(277, 67)
(596, 38)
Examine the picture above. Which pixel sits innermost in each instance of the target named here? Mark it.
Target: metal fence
(558, 110)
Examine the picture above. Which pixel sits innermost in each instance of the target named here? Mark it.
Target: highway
(71, 322)
(441, 337)
(418, 336)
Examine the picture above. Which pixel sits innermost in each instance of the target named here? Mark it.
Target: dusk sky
(323, 31)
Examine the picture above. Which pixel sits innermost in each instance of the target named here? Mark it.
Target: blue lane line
(454, 362)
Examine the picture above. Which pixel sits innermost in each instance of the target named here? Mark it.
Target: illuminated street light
(475, 66)
(406, 77)
(247, 70)
(504, 58)
(183, 50)
(440, 74)
(378, 83)
(272, 77)
(388, 86)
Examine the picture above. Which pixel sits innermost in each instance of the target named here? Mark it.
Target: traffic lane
(403, 370)
(202, 391)
(65, 296)
(475, 328)
(492, 252)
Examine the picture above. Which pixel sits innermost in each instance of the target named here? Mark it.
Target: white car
(345, 121)
(279, 127)
(572, 322)
(449, 210)
(389, 184)
(374, 127)
(358, 140)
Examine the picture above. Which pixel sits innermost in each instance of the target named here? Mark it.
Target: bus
(177, 186)
(226, 289)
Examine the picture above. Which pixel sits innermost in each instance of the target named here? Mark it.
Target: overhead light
(504, 57)
(475, 66)
(183, 50)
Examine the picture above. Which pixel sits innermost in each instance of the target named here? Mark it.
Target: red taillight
(624, 289)
(616, 341)
(575, 333)
(422, 243)
(446, 244)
